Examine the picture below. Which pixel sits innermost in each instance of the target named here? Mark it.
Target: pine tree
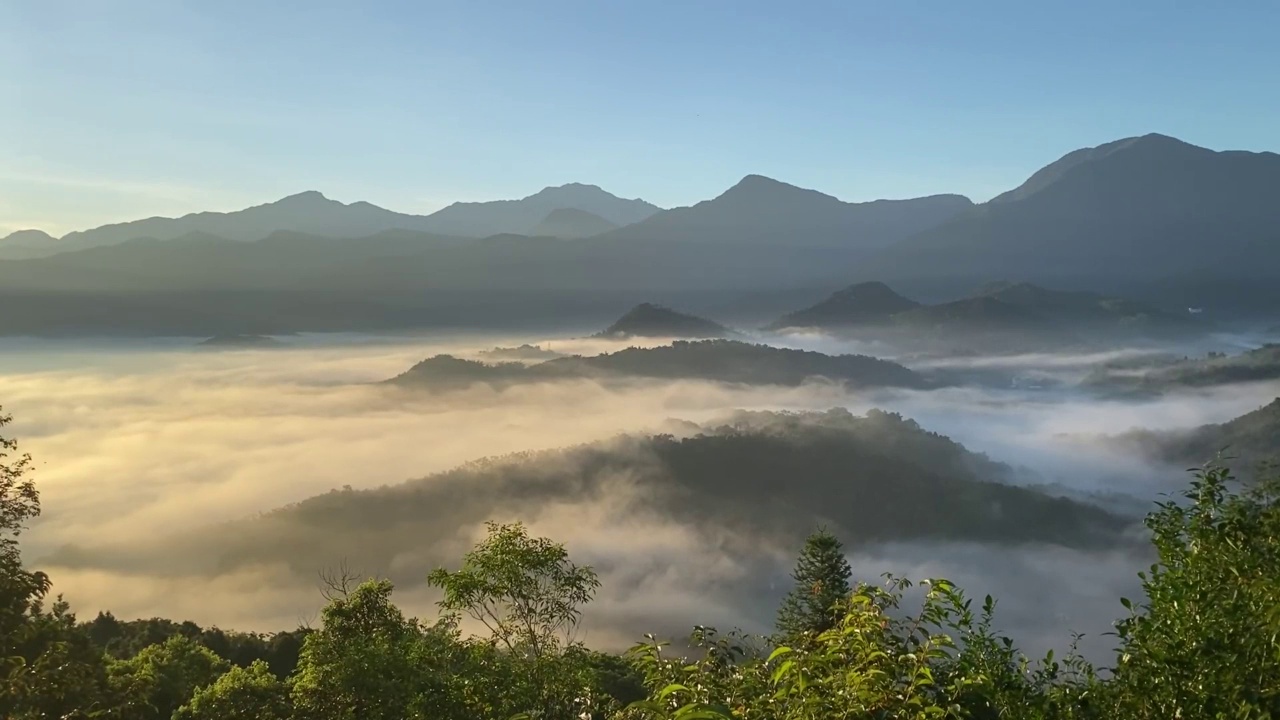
(822, 580)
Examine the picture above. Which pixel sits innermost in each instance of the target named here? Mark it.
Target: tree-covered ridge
(1251, 441)
(1204, 642)
(1259, 364)
(757, 476)
(727, 361)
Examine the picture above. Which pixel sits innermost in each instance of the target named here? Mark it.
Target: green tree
(160, 679)
(1206, 641)
(369, 662)
(47, 668)
(821, 582)
(528, 594)
(243, 693)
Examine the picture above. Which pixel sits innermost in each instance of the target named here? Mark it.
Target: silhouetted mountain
(649, 320)
(572, 223)
(725, 361)
(1000, 316)
(21, 238)
(481, 219)
(759, 210)
(868, 302)
(312, 213)
(1138, 208)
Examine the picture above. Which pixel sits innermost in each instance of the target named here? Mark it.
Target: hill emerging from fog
(998, 313)
(752, 481)
(1215, 369)
(649, 320)
(725, 361)
(1247, 444)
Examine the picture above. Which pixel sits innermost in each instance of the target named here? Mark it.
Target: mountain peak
(865, 302)
(651, 320)
(309, 197)
(27, 237)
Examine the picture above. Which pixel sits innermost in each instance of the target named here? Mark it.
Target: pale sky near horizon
(133, 108)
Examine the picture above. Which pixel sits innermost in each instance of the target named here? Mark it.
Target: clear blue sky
(119, 109)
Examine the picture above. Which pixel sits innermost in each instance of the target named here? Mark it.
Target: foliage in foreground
(1203, 643)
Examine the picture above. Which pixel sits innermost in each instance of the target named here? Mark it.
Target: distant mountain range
(312, 213)
(998, 312)
(1150, 218)
(760, 210)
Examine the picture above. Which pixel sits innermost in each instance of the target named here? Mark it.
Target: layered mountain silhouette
(1001, 308)
(572, 223)
(649, 320)
(760, 210)
(1137, 208)
(1151, 218)
(312, 213)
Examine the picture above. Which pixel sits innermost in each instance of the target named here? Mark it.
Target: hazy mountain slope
(868, 302)
(752, 481)
(762, 210)
(1137, 208)
(649, 320)
(1255, 365)
(725, 361)
(480, 219)
(572, 223)
(312, 213)
(1247, 444)
(26, 243)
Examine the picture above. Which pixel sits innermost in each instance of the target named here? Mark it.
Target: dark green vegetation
(821, 582)
(649, 320)
(726, 361)
(1010, 312)
(1215, 369)
(1201, 643)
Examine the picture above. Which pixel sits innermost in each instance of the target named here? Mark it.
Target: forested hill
(727, 361)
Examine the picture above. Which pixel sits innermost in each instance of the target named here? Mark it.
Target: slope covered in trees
(726, 361)
(1214, 369)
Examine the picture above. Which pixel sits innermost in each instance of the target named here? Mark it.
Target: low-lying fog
(137, 441)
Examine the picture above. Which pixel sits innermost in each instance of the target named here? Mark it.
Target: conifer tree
(821, 581)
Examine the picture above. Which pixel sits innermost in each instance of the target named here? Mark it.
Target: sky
(114, 111)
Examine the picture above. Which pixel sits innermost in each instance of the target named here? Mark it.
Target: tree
(369, 662)
(47, 668)
(160, 679)
(1206, 641)
(821, 583)
(245, 693)
(524, 590)
(529, 595)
